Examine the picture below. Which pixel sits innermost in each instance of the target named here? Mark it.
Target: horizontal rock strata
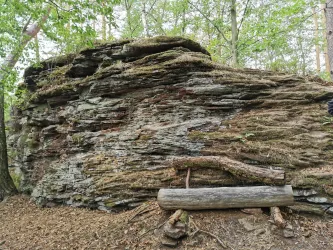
(103, 128)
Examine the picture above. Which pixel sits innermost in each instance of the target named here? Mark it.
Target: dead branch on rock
(188, 178)
(239, 169)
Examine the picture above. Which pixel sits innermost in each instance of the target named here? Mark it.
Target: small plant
(247, 135)
(243, 138)
(77, 139)
(327, 120)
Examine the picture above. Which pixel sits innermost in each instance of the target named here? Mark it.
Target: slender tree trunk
(103, 25)
(303, 67)
(128, 17)
(315, 19)
(327, 62)
(220, 14)
(128, 12)
(110, 28)
(103, 28)
(234, 33)
(144, 20)
(183, 20)
(37, 49)
(329, 34)
(7, 186)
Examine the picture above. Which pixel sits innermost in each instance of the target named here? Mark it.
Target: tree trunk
(144, 20)
(7, 186)
(225, 197)
(110, 28)
(128, 17)
(329, 34)
(234, 33)
(183, 20)
(315, 19)
(303, 55)
(103, 26)
(327, 63)
(37, 49)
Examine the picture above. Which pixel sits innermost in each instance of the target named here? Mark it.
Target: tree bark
(225, 197)
(234, 33)
(329, 34)
(7, 187)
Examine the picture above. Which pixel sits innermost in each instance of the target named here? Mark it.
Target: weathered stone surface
(288, 232)
(304, 192)
(248, 223)
(175, 231)
(101, 128)
(168, 242)
(308, 208)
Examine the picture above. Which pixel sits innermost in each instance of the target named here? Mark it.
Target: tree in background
(329, 26)
(17, 29)
(267, 34)
(28, 32)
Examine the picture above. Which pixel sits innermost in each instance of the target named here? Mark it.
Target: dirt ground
(23, 225)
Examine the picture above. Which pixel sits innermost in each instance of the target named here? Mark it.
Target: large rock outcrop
(102, 128)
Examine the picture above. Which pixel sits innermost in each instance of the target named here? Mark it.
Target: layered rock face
(102, 128)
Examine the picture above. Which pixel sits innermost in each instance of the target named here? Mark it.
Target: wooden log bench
(225, 197)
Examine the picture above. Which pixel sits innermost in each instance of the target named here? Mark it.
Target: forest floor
(23, 225)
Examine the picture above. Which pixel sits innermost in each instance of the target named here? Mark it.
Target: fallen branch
(277, 217)
(188, 178)
(175, 216)
(239, 169)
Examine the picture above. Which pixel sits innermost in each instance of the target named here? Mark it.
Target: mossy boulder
(107, 123)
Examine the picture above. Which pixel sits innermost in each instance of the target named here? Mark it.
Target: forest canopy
(276, 35)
